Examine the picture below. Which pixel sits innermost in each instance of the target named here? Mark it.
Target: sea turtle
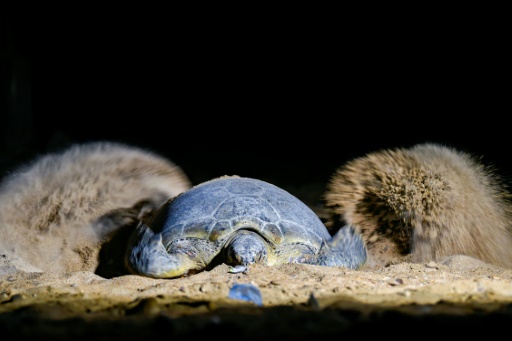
(238, 221)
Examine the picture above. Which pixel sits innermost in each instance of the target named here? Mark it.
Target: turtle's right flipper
(146, 255)
(346, 248)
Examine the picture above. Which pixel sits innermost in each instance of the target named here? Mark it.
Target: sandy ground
(456, 295)
(296, 300)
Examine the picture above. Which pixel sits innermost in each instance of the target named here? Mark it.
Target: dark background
(281, 94)
(286, 102)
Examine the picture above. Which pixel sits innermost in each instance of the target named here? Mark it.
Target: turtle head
(246, 247)
(146, 255)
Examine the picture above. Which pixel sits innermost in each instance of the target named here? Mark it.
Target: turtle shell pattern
(212, 211)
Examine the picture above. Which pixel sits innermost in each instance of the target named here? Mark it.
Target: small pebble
(238, 269)
(432, 265)
(396, 281)
(313, 302)
(246, 292)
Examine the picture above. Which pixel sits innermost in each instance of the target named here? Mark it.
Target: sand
(457, 293)
(86, 294)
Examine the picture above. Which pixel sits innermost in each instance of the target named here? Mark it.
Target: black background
(281, 94)
(286, 102)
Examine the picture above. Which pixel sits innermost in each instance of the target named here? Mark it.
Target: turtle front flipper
(346, 248)
(146, 255)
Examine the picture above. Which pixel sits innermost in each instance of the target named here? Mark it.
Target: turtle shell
(212, 211)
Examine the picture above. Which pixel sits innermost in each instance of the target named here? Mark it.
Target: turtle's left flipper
(346, 248)
(146, 255)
